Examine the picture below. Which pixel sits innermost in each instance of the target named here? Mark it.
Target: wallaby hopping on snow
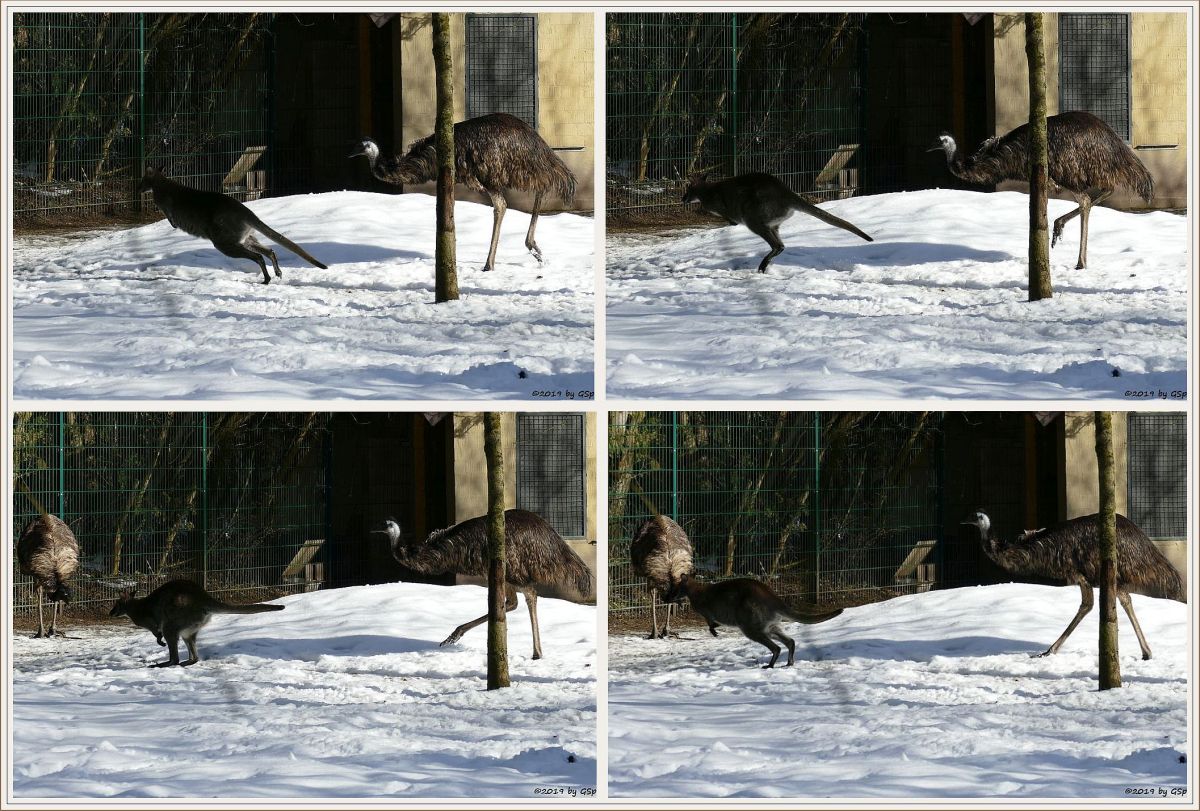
(751, 606)
(759, 201)
(178, 609)
(217, 217)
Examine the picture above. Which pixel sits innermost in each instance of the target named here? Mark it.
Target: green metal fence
(832, 507)
(731, 93)
(98, 96)
(224, 499)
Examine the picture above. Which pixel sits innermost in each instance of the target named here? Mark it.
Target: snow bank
(934, 307)
(931, 695)
(153, 313)
(343, 694)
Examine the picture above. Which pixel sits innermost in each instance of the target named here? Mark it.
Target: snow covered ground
(931, 695)
(343, 694)
(153, 313)
(934, 307)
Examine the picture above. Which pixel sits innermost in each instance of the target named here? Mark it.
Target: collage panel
(324, 485)
(809, 206)
(873, 606)
(271, 605)
(160, 157)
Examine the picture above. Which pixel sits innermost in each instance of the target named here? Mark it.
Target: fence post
(62, 464)
(733, 118)
(204, 496)
(141, 170)
(674, 465)
(817, 505)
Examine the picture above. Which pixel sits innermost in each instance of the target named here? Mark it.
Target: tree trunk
(497, 653)
(1110, 664)
(1039, 235)
(750, 495)
(663, 102)
(444, 256)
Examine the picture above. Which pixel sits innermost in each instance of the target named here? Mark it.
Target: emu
(1070, 552)
(660, 552)
(48, 552)
(492, 153)
(536, 558)
(1086, 159)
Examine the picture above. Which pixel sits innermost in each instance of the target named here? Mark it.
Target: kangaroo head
(695, 183)
(124, 600)
(678, 590)
(62, 594)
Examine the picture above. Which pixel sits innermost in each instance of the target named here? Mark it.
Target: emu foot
(1040, 655)
(536, 251)
(167, 663)
(1146, 656)
(450, 640)
(1056, 235)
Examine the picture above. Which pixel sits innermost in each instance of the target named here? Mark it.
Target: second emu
(1070, 552)
(660, 552)
(48, 552)
(492, 153)
(536, 558)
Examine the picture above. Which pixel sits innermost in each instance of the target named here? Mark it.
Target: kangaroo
(219, 218)
(751, 606)
(179, 608)
(759, 201)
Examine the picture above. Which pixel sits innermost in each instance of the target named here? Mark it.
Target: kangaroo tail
(824, 216)
(810, 616)
(254, 608)
(287, 243)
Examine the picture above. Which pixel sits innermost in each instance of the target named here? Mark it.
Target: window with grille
(502, 65)
(1093, 52)
(550, 470)
(1157, 450)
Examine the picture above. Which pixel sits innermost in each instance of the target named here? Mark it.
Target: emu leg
(41, 632)
(771, 235)
(666, 631)
(54, 621)
(510, 602)
(499, 206)
(531, 602)
(1127, 604)
(1094, 197)
(653, 614)
(529, 243)
(1085, 606)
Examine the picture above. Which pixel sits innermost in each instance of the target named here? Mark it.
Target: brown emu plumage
(660, 552)
(536, 558)
(1087, 159)
(48, 552)
(1070, 552)
(492, 153)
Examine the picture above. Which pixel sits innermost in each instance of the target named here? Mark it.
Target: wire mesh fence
(224, 499)
(731, 93)
(834, 508)
(99, 96)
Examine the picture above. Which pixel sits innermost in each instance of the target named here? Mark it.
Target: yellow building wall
(566, 93)
(1158, 95)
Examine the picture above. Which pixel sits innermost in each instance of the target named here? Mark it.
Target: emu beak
(358, 150)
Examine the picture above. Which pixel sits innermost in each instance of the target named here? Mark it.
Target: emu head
(121, 606)
(391, 528)
(365, 147)
(979, 519)
(692, 193)
(944, 143)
